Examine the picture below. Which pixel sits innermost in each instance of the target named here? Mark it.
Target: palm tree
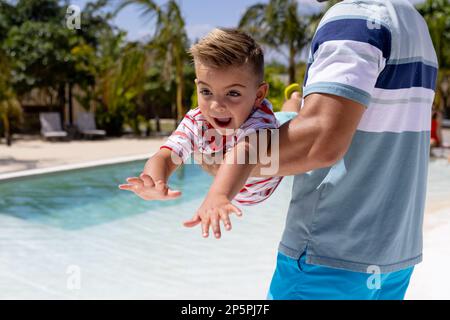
(278, 25)
(437, 15)
(314, 19)
(120, 83)
(9, 108)
(169, 40)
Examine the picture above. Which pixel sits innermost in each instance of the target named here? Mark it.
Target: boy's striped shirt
(196, 134)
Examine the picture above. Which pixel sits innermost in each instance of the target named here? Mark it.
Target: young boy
(229, 67)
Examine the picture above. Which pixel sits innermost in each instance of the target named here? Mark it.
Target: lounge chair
(51, 125)
(86, 125)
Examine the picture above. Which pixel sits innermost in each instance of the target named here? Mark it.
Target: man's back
(368, 208)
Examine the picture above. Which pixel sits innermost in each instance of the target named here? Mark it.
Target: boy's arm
(152, 182)
(161, 165)
(231, 176)
(230, 179)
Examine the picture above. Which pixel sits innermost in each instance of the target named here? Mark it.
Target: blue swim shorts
(295, 280)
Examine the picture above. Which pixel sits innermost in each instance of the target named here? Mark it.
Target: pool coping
(72, 166)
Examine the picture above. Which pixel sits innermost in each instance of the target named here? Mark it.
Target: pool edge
(70, 167)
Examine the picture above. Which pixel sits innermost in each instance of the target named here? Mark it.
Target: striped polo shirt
(368, 208)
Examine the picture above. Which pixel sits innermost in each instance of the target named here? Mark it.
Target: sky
(201, 16)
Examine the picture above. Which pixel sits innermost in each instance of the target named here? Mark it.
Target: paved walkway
(33, 153)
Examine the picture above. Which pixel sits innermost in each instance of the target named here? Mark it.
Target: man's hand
(148, 189)
(213, 209)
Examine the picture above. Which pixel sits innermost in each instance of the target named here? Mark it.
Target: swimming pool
(82, 198)
(124, 247)
(78, 223)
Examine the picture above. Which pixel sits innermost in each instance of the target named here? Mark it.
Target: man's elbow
(323, 159)
(328, 153)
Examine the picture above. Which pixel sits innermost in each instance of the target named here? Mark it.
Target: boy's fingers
(148, 181)
(160, 185)
(173, 194)
(126, 187)
(205, 228)
(136, 181)
(215, 225)
(234, 209)
(193, 222)
(225, 219)
(130, 187)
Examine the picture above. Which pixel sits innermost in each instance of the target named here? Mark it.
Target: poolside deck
(31, 152)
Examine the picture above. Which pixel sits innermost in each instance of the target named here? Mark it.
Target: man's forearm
(318, 137)
(289, 154)
(294, 153)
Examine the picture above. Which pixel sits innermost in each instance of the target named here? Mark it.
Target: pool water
(122, 247)
(128, 248)
(83, 198)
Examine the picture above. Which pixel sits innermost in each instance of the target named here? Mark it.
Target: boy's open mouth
(222, 122)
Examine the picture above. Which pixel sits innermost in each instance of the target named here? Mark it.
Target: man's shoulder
(395, 25)
(357, 24)
(375, 12)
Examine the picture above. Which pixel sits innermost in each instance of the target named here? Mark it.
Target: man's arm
(318, 137)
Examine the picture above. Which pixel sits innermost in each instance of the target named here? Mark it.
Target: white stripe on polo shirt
(396, 118)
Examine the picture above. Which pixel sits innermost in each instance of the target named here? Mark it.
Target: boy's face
(227, 96)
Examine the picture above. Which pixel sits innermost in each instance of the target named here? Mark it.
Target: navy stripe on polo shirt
(356, 30)
(407, 75)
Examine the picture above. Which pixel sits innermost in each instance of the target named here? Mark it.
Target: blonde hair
(224, 47)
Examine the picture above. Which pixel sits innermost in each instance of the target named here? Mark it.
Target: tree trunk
(158, 123)
(180, 85)
(291, 70)
(7, 129)
(180, 108)
(70, 104)
(62, 101)
(445, 109)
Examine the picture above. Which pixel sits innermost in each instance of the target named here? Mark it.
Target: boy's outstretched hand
(148, 189)
(213, 209)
